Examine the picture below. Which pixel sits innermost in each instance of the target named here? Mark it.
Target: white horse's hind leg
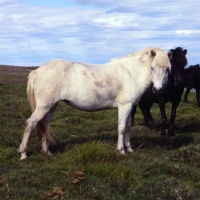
(123, 113)
(37, 115)
(44, 142)
(127, 135)
(44, 145)
(27, 132)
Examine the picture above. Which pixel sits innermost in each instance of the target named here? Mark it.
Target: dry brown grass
(14, 74)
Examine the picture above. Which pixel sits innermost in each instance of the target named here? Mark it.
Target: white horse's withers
(117, 84)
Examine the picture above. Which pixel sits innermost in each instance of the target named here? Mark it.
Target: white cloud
(34, 34)
(188, 32)
(97, 3)
(7, 2)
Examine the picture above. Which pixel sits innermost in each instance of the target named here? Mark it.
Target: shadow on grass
(143, 142)
(167, 143)
(68, 144)
(190, 127)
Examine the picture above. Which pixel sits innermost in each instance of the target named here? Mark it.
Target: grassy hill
(159, 168)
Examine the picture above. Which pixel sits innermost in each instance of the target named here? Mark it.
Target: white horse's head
(159, 69)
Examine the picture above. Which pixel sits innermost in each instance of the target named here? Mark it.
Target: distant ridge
(14, 74)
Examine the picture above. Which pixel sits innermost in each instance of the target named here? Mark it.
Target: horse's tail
(42, 125)
(30, 91)
(44, 132)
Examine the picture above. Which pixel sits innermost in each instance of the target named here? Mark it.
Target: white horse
(119, 83)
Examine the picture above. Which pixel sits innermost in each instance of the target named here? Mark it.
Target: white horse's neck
(140, 69)
(134, 78)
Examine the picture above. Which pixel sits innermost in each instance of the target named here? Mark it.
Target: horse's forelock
(161, 59)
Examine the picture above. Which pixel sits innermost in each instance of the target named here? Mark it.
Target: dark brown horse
(192, 80)
(172, 91)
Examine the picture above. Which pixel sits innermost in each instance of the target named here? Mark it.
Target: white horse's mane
(140, 52)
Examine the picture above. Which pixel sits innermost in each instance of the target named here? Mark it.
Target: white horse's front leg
(123, 113)
(127, 134)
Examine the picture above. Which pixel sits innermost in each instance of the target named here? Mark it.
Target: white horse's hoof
(46, 152)
(129, 150)
(49, 153)
(23, 156)
(121, 151)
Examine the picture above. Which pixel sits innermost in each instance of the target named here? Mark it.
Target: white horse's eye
(152, 68)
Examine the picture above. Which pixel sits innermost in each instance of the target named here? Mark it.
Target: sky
(95, 31)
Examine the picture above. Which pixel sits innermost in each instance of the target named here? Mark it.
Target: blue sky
(94, 31)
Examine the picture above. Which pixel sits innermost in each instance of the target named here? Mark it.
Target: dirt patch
(14, 74)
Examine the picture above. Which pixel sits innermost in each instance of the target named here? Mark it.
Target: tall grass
(159, 168)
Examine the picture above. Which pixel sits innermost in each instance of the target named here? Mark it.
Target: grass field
(85, 164)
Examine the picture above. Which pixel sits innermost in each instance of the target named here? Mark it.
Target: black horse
(172, 91)
(192, 80)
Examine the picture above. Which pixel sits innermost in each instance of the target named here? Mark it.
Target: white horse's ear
(153, 53)
(170, 54)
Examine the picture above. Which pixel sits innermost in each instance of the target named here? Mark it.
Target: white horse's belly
(90, 97)
(90, 100)
(91, 106)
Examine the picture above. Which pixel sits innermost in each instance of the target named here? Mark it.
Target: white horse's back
(80, 85)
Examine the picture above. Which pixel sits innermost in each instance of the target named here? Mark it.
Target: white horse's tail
(42, 126)
(29, 90)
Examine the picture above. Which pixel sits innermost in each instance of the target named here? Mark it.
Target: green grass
(159, 168)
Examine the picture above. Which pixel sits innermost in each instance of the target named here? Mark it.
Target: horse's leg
(145, 108)
(45, 131)
(127, 143)
(37, 115)
(133, 115)
(163, 115)
(172, 117)
(149, 115)
(186, 94)
(123, 113)
(198, 96)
